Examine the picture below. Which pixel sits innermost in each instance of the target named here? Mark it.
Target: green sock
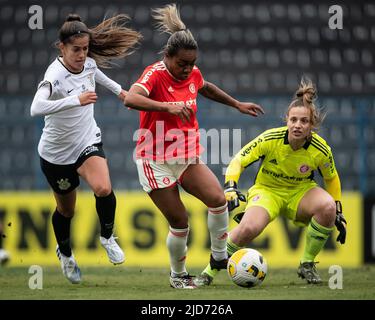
(231, 248)
(316, 237)
(211, 272)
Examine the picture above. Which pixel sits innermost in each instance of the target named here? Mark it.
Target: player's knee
(327, 211)
(248, 232)
(216, 200)
(178, 222)
(66, 212)
(102, 190)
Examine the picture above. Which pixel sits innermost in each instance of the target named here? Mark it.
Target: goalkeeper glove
(340, 223)
(233, 195)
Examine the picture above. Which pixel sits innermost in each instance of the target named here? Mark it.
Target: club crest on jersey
(304, 168)
(91, 78)
(192, 88)
(256, 198)
(64, 184)
(166, 181)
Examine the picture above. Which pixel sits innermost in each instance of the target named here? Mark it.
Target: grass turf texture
(121, 282)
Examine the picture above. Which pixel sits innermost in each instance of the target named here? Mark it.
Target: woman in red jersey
(168, 147)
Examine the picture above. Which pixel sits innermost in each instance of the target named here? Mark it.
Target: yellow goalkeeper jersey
(283, 167)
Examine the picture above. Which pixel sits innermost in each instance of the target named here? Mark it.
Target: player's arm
(42, 106)
(249, 154)
(333, 186)
(137, 98)
(212, 92)
(111, 85)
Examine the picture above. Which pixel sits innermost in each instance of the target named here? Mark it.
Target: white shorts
(153, 175)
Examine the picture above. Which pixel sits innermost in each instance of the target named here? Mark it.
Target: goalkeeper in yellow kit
(284, 185)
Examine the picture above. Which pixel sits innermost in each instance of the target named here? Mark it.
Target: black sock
(1, 239)
(61, 226)
(106, 207)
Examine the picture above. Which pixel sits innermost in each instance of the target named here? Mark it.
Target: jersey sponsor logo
(274, 161)
(64, 184)
(166, 181)
(252, 146)
(192, 88)
(88, 150)
(187, 103)
(158, 66)
(304, 168)
(282, 176)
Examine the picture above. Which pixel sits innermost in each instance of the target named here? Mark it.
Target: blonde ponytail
(305, 96)
(168, 20)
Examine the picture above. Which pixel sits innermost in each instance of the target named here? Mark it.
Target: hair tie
(73, 34)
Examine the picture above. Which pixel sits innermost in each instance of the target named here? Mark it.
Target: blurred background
(256, 51)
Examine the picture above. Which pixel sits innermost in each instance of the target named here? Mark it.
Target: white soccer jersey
(69, 127)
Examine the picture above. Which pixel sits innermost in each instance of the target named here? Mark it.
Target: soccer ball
(247, 268)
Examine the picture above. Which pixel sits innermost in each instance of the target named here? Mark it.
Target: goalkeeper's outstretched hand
(340, 223)
(233, 195)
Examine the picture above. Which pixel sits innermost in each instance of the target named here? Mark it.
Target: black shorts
(65, 178)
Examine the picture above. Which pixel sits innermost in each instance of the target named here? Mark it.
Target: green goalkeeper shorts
(278, 201)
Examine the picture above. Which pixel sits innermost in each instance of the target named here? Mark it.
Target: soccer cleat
(204, 279)
(182, 282)
(207, 276)
(307, 270)
(4, 257)
(114, 252)
(69, 267)
(218, 265)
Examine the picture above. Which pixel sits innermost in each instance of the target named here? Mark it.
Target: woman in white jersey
(168, 151)
(70, 146)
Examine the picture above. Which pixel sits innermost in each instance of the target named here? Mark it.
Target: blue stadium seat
(21, 15)
(294, 13)
(262, 14)
(278, 11)
(142, 14)
(7, 38)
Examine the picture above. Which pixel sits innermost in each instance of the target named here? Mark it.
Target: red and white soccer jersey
(164, 136)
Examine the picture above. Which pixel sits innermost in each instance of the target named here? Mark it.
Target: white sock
(176, 244)
(217, 221)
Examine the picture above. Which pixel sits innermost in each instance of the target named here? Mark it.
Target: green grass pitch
(121, 282)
